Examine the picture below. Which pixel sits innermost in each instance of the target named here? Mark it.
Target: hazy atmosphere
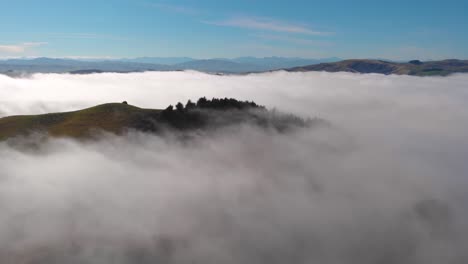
(384, 183)
(233, 132)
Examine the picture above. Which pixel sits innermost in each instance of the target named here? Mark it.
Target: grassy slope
(112, 117)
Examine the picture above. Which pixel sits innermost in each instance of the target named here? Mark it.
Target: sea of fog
(385, 183)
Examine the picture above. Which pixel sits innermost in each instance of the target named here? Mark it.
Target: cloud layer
(384, 184)
(268, 24)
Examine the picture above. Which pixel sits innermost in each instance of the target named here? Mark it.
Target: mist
(385, 183)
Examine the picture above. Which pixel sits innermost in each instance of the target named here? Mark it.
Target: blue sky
(410, 29)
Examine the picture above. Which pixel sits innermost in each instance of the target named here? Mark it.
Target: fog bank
(384, 184)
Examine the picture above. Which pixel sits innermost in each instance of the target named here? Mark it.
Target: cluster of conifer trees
(215, 104)
(219, 113)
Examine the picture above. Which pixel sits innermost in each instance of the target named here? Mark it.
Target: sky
(398, 30)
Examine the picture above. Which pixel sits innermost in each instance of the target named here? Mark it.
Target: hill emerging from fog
(118, 118)
(417, 68)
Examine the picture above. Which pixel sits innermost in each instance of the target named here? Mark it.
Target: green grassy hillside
(114, 117)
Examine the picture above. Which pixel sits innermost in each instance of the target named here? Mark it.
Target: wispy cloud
(269, 25)
(21, 47)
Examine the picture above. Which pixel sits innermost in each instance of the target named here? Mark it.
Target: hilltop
(111, 117)
(119, 118)
(415, 67)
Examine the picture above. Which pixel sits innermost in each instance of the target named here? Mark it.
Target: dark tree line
(225, 103)
(195, 115)
(215, 104)
(219, 112)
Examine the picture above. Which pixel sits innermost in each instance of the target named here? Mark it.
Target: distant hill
(160, 60)
(49, 65)
(248, 64)
(417, 68)
(266, 63)
(18, 67)
(90, 71)
(120, 117)
(220, 65)
(282, 62)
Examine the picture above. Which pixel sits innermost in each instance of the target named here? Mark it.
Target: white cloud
(386, 183)
(268, 24)
(20, 48)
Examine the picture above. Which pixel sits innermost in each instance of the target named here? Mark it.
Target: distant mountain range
(17, 67)
(160, 60)
(415, 67)
(49, 65)
(220, 65)
(267, 62)
(237, 65)
(281, 62)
